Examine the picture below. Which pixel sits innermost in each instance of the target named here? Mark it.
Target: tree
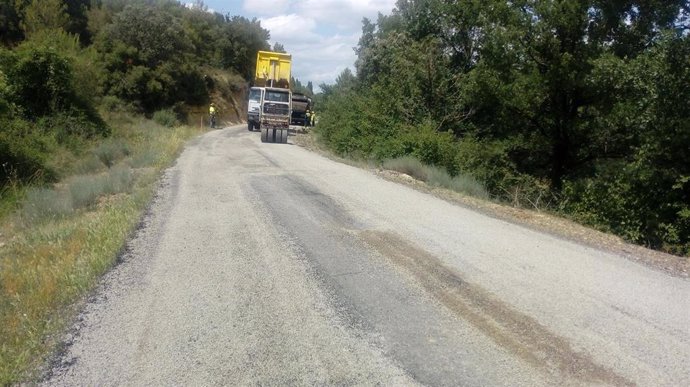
(45, 15)
(10, 22)
(277, 47)
(77, 12)
(155, 34)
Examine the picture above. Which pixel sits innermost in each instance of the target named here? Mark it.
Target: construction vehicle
(272, 91)
(300, 105)
(256, 95)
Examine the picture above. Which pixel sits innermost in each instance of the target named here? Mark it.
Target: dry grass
(59, 240)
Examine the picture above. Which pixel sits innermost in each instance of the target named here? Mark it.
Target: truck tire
(264, 135)
(250, 126)
(284, 136)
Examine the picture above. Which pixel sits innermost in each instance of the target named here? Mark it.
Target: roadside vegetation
(94, 97)
(579, 108)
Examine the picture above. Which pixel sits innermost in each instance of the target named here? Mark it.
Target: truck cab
(256, 97)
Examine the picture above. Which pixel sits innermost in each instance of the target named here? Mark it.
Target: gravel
(266, 264)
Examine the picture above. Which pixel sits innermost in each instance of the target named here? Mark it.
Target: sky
(320, 34)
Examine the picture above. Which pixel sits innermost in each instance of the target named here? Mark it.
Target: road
(266, 264)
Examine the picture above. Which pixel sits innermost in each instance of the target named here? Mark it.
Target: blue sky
(320, 34)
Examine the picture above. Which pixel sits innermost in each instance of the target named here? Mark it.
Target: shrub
(437, 176)
(112, 103)
(88, 164)
(111, 150)
(119, 179)
(460, 183)
(24, 152)
(166, 117)
(85, 190)
(409, 166)
(146, 158)
(73, 125)
(42, 81)
(46, 203)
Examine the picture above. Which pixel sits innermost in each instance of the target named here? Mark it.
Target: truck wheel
(264, 135)
(284, 136)
(250, 126)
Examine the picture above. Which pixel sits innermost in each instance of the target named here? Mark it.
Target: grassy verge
(55, 242)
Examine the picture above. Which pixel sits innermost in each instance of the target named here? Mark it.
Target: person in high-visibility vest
(212, 115)
(313, 118)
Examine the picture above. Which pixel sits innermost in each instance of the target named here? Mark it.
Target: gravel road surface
(266, 264)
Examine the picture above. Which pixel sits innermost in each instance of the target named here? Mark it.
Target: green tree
(156, 35)
(42, 15)
(576, 99)
(11, 13)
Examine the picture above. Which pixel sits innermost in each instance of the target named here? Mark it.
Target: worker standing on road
(313, 118)
(307, 120)
(212, 115)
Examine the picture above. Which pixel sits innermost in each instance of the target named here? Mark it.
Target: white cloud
(323, 60)
(290, 27)
(344, 14)
(266, 7)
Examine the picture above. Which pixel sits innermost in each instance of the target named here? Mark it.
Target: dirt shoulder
(535, 220)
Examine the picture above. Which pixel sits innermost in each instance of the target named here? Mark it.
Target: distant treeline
(63, 59)
(579, 106)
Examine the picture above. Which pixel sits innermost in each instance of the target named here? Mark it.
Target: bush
(111, 150)
(459, 183)
(119, 180)
(431, 147)
(112, 103)
(409, 166)
(41, 81)
(166, 117)
(73, 125)
(24, 152)
(145, 158)
(46, 203)
(88, 164)
(86, 189)
(437, 176)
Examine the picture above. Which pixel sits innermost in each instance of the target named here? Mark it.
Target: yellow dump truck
(270, 100)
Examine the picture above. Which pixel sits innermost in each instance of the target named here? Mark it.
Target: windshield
(277, 96)
(255, 95)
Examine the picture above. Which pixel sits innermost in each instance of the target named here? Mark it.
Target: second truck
(270, 99)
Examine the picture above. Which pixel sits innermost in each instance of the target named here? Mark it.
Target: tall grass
(111, 150)
(61, 239)
(42, 203)
(436, 176)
